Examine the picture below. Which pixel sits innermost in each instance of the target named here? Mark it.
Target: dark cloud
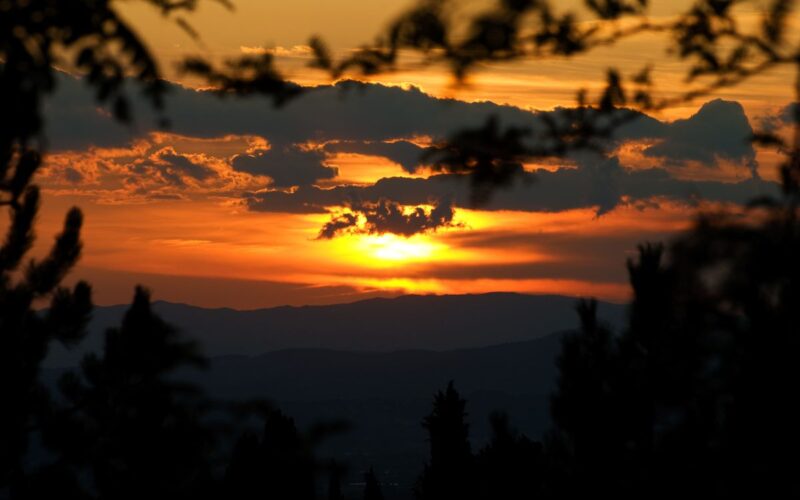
(167, 168)
(287, 166)
(73, 175)
(406, 154)
(73, 120)
(387, 216)
(337, 225)
(180, 164)
(719, 130)
(787, 114)
(772, 123)
(363, 117)
(348, 111)
(370, 118)
(603, 187)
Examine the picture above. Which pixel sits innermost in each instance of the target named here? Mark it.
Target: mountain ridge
(425, 322)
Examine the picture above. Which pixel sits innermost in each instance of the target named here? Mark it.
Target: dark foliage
(124, 424)
(90, 37)
(372, 488)
(698, 393)
(25, 333)
(449, 474)
(277, 464)
(335, 473)
(696, 396)
(511, 466)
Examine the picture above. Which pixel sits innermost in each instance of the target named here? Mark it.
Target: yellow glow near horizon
(390, 247)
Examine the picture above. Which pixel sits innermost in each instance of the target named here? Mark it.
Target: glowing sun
(389, 247)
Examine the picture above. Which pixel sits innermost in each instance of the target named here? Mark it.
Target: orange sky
(195, 239)
(347, 24)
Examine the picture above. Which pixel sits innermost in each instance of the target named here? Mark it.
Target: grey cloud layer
(287, 166)
(720, 129)
(359, 118)
(348, 111)
(605, 187)
(183, 165)
(406, 154)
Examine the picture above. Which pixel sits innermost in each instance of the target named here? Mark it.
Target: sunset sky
(244, 205)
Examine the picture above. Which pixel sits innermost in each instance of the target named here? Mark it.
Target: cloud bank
(288, 166)
(387, 122)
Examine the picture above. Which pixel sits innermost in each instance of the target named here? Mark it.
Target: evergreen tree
(126, 422)
(511, 466)
(335, 472)
(699, 391)
(25, 333)
(278, 464)
(34, 37)
(372, 488)
(582, 407)
(449, 473)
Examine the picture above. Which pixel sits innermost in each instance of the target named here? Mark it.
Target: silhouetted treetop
(25, 333)
(372, 488)
(697, 393)
(126, 424)
(449, 474)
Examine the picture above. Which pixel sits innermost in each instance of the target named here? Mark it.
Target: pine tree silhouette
(33, 37)
(511, 466)
(278, 464)
(244, 472)
(697, 393)
(335, 472)
(127, 423)
(372, 488)
(449, 474)
(25, 334)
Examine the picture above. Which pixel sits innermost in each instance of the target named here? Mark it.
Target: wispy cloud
(278, 50)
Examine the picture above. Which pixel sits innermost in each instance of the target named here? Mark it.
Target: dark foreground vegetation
(696, 395)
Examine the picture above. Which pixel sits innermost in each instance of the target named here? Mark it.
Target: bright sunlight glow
(390, 247)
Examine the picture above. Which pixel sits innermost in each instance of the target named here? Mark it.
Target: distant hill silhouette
(320, 374)
(429, 322)
(384, 394)
(376, 364)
